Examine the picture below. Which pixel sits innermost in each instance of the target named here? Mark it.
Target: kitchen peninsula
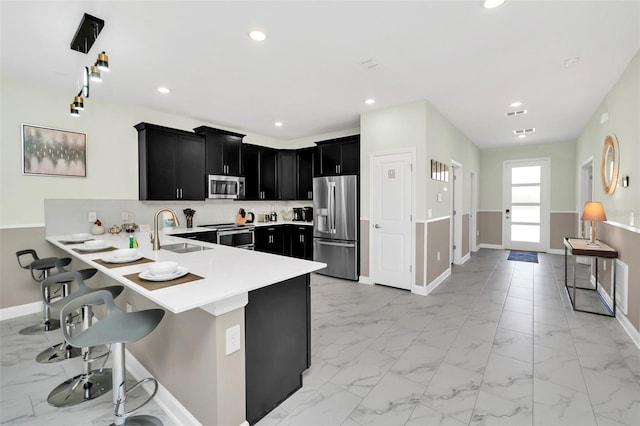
(265, 296)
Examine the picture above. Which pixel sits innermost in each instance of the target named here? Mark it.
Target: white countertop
(229, 273)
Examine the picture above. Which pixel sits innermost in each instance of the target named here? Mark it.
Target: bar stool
(90, 384)
(43, 268)
(116, 329)
(63, 350)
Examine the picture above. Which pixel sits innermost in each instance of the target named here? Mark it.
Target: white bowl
(163, 268)
(94, 243)
(79, 236)
(125, 253)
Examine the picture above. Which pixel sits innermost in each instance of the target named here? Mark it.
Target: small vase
(97, 229)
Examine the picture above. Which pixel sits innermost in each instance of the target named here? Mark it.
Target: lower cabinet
(277, 344)
(286, 240)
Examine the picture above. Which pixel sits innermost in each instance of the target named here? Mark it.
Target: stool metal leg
(62, 350)
(89, 385)
(120, 394)
(47, 323)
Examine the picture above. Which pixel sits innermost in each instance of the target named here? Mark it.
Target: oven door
(241, 238)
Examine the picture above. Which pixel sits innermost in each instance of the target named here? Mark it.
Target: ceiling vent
(514, 113)
(524, 131)
(370, 64)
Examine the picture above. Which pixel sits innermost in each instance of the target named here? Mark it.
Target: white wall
(112, 148)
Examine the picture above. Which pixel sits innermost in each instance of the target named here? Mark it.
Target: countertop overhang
(229, 273)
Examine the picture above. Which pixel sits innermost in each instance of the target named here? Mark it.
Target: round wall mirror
(610, 164)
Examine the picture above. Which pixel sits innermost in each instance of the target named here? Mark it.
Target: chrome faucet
(155, 237)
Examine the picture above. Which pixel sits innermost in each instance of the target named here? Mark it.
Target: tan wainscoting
(490, 227)
(364, 247)
(420, 254)
(465, 235)
(562, 224)
(438, 240)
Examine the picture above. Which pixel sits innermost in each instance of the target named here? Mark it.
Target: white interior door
(526, 210)
(456, 177)
(391, 219)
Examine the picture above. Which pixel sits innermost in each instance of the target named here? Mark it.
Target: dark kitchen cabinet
(270, 239)
(223, 150)
(206, 236)
(301, 241)
(287, 175)
(305, 166)
(170, 164)
(277, 344)
(260, 171)
(338, 156)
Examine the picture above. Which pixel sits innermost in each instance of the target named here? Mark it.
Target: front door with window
(526, 209)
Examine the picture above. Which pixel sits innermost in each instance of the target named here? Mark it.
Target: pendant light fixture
(86, 35)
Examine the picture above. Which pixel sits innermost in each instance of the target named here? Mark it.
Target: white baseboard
(556, 251)
(424, 291)
(365, 280)
(20, 310)
(465, 259)
(630, 329)
(491, 246)
(174, 409)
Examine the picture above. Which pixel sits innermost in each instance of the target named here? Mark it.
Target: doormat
(523, 256)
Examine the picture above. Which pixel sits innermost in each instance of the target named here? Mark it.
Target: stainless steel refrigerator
(335, 225)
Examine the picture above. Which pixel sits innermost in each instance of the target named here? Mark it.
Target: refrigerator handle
(333, 207)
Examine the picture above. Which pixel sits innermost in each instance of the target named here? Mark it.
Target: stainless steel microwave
(225, 187)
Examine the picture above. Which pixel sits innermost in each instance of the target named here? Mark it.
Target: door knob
(377, 226)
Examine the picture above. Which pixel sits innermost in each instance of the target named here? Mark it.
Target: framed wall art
(53, 152)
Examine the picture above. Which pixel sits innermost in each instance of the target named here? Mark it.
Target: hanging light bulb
(78, 102)
(73, 111)
(103, 61)
(95, 74)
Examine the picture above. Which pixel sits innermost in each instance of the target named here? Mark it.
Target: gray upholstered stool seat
(41, 269)
(116, 329)
(90, 384)
(64, 350)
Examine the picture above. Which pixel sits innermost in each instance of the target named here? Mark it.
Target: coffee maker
(298, 214)
(307, 214)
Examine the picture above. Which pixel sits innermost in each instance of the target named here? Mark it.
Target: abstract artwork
(53, 152)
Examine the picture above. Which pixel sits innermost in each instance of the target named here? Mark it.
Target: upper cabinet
(260, 170)
(223, 151)
(305, 165)
(287, 175)
(338, 157)
(170, 164)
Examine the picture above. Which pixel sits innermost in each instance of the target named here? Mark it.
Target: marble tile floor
(25, 384)
(495, 344)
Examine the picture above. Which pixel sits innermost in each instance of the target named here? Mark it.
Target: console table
(580, 247)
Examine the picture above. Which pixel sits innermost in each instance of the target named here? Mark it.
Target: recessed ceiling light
(370, 101)
(164, 90)
(257, 35)
(571, 60)
(515, 104)
(522, 136)
(492, 4)
(278, 124)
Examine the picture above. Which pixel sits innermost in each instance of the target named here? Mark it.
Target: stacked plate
(123, 256)
(163, 271)
(78, 238)
(93, 245)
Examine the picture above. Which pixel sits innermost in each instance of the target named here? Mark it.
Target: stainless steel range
(230, 234)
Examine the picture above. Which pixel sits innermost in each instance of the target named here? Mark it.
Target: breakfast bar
(263, 298)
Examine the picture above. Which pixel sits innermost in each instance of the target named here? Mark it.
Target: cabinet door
(350, 157)
(269, 239)
(190, 168)
(160, 165)
(305, 166)
(213, 152)
(302, 242)
(231, 154)
(287, 176)
(329, 159)
(268, 174)
(251, 171)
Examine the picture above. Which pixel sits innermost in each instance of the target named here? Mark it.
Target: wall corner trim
(433, 284)
(630, 329)
(365, 280)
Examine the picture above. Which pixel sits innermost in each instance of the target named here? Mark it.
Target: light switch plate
(92, 217)
(233, 339)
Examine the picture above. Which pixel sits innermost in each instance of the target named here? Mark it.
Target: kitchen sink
(184, 248)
